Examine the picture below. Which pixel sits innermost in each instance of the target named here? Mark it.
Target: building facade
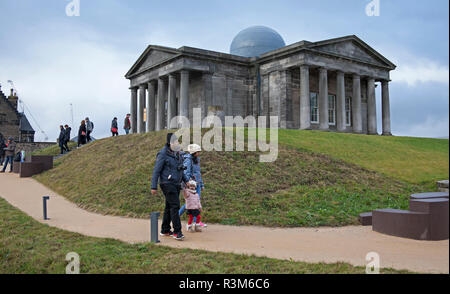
(12, 122)
(325, 85)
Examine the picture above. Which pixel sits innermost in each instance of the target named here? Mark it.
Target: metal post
(154, 227)
(44, 199)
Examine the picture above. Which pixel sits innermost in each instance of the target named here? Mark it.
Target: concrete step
(365, 218)
(429, 195)
(442, 186)
(401, 223)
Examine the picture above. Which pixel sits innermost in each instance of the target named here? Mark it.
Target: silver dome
(256, 40)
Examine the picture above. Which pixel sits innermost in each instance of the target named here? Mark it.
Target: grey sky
(55, 60)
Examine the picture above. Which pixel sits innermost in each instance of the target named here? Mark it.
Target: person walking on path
(89, 129)
(168, 171)
(114, 127)
(2, 150)
(9, 153)
(193, 206)
(127, 124)
(62, 138)
(192, 172)
(67, 137)
(82, 134)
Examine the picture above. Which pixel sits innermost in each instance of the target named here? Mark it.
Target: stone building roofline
(304, 45)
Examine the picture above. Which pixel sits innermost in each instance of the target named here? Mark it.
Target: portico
(327, 85)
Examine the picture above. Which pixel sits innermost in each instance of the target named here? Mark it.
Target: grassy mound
(27, 246)
(301, 188)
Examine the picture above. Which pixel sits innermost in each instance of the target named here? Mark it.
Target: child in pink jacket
(193, 206)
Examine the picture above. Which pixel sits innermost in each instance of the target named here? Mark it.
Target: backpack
(17, 157)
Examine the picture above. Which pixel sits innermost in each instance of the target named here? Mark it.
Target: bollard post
(44, 199)
(154, 227)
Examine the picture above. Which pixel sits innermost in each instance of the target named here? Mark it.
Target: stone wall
(31, 147)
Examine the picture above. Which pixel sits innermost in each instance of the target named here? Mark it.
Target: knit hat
(193, 183)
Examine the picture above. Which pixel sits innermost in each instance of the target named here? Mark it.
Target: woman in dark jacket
(114, 127)
(62, 138)
(82, 134)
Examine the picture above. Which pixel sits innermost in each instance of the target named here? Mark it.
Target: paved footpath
(348, 244)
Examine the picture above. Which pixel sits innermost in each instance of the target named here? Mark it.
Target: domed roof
(256, 40)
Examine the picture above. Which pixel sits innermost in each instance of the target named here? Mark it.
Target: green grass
(415, 160)
(301, 188)
(54, 150)
(27, 246)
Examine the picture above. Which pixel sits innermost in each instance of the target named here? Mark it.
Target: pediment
(353, 48)
(150, 57)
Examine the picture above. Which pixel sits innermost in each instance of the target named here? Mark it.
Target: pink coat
(192, 199)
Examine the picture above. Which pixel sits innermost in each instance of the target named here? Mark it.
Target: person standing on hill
(62, 138)
(9, 153)
(82, 134)
(2, 151)
(67, 137)
(127, 124)
(89, 129)
(168, 171)
(114, 127)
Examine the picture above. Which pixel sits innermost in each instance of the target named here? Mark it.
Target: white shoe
(190, 228)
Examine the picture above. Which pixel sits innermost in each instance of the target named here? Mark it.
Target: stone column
(323, 99)
(151, 104)
(356, 105)
(184, 93)
(340, 101)
(386, 111)
(371, 108)
(141, 123)
(160, 105)
(171, 101)
(133, 110)
(305, 107)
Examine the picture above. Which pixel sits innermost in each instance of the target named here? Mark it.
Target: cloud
(88, 74)
(417, 71)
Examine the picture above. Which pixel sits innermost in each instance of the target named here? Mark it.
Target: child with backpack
(193, 206)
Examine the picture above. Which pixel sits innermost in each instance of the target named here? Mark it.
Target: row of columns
(152, 97)
(305, 107)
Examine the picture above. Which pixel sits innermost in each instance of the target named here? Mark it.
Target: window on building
(314, 107)
(332, 109)
(348, 111)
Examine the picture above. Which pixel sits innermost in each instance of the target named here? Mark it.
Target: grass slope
(415, 160)
(27, 246)
(301, 188)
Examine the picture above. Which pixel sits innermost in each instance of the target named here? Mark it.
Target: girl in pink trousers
(193, 206)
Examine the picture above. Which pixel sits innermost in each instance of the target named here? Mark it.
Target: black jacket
(67, 134)
(62, 137)
(167, 168)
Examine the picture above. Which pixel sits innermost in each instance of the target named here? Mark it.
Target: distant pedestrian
(127, 124)
(67, 137)
(2, 151)
(62, 137)
(82, 134)
(9, 153)
(89, 129)
(114, 127)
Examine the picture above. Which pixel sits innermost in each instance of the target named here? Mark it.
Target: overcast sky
(55, 60)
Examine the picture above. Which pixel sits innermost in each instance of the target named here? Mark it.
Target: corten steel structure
(326, 85)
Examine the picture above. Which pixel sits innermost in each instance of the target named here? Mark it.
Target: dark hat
(10, 138)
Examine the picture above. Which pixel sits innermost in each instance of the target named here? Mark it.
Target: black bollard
(154, 227)
(44, 199)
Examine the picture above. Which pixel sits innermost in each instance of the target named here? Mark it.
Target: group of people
(176, 170)
(64, 138)
(115, 126)
(84, 131)
(7, 153)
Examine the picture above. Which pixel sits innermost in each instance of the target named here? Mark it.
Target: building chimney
(13, 99)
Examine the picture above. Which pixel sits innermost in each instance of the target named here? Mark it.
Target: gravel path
(348, 244)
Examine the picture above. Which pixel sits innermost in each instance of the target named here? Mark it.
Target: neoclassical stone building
(325, 85)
